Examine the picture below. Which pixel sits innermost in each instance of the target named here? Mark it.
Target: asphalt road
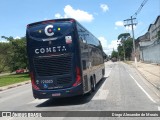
(122, 89)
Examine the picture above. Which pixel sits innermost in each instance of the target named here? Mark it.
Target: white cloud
(4, 40)
(77, 14)
(129, 28)
(17, 37)
(119, 23)
(108, 48)
(104, 7)
(113, 44)
(57, 15)
(103, 42)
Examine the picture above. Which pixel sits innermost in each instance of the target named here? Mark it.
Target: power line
(140, 8)
(130, 22)
(142, 31)
(146, 28)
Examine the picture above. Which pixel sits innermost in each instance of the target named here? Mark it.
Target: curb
(14, 85)
(146, 78)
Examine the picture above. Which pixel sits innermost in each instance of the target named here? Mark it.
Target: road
(122, 89)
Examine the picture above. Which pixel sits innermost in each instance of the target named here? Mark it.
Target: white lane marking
(37, 101)
(158, 108)
(142, 89)
(107, 75)
(109, 72)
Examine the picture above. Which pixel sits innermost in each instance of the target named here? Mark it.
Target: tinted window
(50, 30)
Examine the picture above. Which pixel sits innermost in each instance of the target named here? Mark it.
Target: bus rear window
(50, 30)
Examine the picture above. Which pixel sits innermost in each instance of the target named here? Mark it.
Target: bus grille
(63, 81)
(54, 65)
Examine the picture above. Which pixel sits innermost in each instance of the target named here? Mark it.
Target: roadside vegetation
(124, 50)
(13, 54)
(12, 79)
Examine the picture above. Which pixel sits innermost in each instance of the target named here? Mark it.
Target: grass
(12, 79)
(128, 62)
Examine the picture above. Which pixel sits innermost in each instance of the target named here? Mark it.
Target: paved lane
(122, 89)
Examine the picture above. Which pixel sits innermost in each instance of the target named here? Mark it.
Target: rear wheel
(93, 84)
(103, 72)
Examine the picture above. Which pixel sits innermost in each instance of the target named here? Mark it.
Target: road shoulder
(14, 85)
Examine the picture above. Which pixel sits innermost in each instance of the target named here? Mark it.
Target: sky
(103, 18)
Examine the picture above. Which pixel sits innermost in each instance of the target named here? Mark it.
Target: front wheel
(93, 85)
(103, 72)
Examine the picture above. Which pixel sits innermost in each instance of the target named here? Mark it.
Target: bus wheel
(93, 84)
(103, 72)
(90, 92)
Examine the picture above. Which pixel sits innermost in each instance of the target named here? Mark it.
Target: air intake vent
(53, 65)
(64, 81)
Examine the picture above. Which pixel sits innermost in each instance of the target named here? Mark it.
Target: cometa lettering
(50, 50)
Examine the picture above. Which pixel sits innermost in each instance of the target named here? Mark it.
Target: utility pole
(130, 22)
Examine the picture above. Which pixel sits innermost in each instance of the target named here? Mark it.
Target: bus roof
(52, 20)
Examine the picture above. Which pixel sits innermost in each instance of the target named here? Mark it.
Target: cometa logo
(50, 50)
(49, 30)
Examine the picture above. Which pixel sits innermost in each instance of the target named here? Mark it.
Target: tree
(17, 54)
(124, 36)
(128, 47)
(125, 48)
(114, 54)
(120, 52)
(4, 58)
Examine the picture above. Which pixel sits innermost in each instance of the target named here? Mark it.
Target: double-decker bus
(65, 59)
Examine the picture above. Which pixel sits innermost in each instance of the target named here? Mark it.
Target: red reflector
(78, 77)
(28, 26)
(48, 21)
(72, 20)
(33, 81)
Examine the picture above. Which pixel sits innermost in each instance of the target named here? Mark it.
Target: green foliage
(125, 46)
(128, 48)
(114, 54)
(14, 54)
(4, 57)
(121, 52)
(123, 36)
(19, 54)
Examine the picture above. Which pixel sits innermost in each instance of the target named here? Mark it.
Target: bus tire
(90, 91)
(93, 84)
(103, 72)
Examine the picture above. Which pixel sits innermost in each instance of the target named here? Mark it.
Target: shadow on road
(76, 100)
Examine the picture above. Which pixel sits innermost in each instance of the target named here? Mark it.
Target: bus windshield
(50, 30)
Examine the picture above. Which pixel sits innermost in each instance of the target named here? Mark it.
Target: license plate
(56, 94)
